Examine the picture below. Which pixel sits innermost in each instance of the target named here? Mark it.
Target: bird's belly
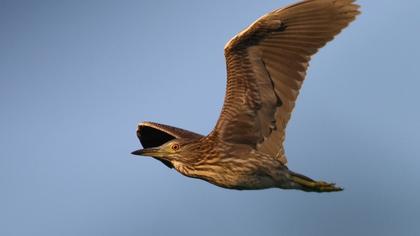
(252, 182)
(248, 181)
(257, 171)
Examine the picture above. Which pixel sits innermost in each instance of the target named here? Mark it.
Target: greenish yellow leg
(316, 186)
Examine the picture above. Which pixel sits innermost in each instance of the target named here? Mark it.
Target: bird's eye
(175, 147)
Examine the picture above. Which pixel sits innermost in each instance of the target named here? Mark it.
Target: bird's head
(179, 150)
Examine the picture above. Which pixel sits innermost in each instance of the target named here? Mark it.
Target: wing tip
(147, 124)
(144, 124)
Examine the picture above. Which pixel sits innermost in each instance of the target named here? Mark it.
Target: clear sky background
(77, 76)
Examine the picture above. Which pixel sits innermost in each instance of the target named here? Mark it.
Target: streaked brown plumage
(266, 65)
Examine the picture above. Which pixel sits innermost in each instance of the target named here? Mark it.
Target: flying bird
(266, 66)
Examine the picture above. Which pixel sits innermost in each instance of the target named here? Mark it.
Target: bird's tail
(309, 185)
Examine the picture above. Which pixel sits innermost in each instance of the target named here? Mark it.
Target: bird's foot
(321, 186)
(309, 185)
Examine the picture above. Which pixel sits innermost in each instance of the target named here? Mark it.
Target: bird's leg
(307, 184)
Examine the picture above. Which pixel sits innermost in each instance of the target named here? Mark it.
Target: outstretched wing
(266, 65)
(153, 134)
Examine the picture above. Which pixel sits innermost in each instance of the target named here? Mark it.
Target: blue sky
(77, 76)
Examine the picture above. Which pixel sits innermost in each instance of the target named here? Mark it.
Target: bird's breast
(248, 170)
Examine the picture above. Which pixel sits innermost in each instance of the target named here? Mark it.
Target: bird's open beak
(147, 152)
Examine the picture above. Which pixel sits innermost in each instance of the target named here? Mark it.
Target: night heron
(266, 65)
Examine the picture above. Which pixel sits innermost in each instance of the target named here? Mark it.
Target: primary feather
(266, 66)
